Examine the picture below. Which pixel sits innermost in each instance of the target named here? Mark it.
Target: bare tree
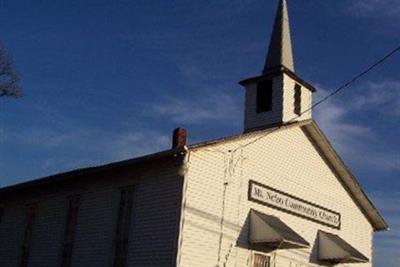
(9, 78)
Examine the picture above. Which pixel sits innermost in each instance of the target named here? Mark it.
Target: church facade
(276, 195)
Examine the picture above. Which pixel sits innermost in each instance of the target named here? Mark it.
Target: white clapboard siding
(282, 103)
(12, 229)
(155, 222)
(252, 119)
(96, 224)
(288, 101)
(285, 160)
(49, 228)
(153, 230)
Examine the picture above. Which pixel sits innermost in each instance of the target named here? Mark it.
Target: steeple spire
(278, 95)
(280, 47)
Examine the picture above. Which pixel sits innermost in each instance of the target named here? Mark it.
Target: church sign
(276, 199)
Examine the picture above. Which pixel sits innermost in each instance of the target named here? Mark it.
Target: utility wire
(229, 173)
(355, 78)
(340, 88)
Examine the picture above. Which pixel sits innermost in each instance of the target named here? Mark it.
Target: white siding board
(156, 213)
(282, 104)
(285, 160)
(254, 119)
(48, 232)
(11, 233)
(95, 228)
(154, 224)
(288, 101)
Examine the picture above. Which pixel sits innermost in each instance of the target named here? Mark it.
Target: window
(69, 236)
(31, 216)
(261, 261)
(264, 96)
(297, 99)
(1, 212)
(123, 223)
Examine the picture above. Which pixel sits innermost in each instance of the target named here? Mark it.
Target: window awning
(271, 232)
(332, 248)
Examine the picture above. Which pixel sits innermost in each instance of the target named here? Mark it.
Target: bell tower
(278, 95)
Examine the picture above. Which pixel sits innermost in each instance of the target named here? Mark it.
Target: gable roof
(309, 127)
(349, 181)
(174, 154)
(322, 144)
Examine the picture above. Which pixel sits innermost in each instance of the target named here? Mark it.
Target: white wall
(282, 103)
(11, 234)
(288, 100)
(285, 160)
(252, 119)
(153, 230)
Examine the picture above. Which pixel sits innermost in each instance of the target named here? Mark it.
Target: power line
(228, 173)
(355, 78)
(340, 88)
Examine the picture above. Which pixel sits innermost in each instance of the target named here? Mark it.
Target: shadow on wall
(243, 239)
(243, 242)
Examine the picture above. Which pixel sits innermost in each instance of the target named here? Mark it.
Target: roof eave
(59, 177)
(249, 133)
(347, 178)
(275, 72)
(319, 139)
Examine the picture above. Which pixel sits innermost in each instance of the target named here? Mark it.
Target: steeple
(277, 96)
(280, 47)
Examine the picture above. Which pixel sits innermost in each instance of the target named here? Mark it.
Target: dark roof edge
(277, 71)
(362, 200)
(355, 189)
(92, 170)
(250, 132)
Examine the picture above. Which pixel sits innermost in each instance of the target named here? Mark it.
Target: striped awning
(271, 232)
(333, 249)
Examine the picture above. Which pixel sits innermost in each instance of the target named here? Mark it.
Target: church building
(275, 195)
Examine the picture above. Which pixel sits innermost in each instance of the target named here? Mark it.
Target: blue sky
(109, 80)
